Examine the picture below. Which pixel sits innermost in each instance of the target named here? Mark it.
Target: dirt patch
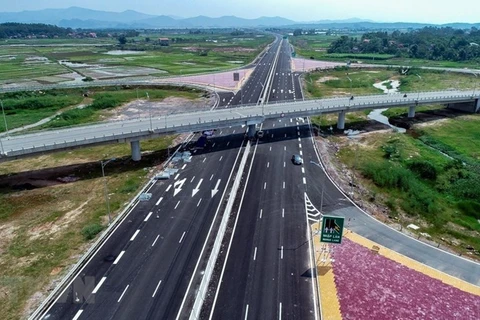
(168, 106)
(52, 228)
(7, 232)
(325, 79)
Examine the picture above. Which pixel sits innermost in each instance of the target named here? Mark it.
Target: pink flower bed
(370, 286)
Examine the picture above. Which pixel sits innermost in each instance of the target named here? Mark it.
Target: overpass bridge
(133, 131)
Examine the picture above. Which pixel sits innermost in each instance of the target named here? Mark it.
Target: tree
(297, 32)
(122, 39)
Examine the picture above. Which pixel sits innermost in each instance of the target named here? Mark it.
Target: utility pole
(107, 201)
(149, 112)
(4, 117)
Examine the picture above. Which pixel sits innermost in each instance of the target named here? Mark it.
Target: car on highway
(296, 159)
(260, 134)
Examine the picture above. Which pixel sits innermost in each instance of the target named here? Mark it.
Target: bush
(424, 169)
(389, 176)
(90, 231)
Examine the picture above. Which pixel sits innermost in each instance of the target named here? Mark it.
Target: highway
(154, 251)
(267, 270)
(267, 274)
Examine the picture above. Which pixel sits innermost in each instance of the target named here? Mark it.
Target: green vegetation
(91, 230)
(27, 107)
(44, 230)
(10, 29)
(340, 48)
(415, 178)
(334, 82)
(429, 43)
(187, 53)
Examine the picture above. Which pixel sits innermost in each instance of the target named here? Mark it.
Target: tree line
(22, 30)
(430, 43)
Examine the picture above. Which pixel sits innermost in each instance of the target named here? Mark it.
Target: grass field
(316, 46)
(44, 230)
(194, 54)
(335, 82)
(419, 184)
(24, 108)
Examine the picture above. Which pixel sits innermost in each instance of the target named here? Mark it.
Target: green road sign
(332, 229)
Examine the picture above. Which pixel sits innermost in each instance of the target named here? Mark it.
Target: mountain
(76, 17)
(54, 16)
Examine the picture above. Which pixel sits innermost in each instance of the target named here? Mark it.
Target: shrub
(424, 169)
(90, 231)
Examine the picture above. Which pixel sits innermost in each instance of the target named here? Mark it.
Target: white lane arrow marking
(178, 186)
(194, 192)
(214, 191)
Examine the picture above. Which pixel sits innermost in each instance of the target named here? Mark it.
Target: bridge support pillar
(251, 131)
(411, 111)
(341, 120)
(136, 153)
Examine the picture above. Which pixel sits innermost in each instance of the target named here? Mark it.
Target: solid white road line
(183, 167)
(176, 177)
(134, 235)
(159, 200)
(211, 177)
(280, 312)
(255, 254)
(246, 312)
(199, 202)
(304, 180)
(281, 253)
(79, 312)
(148, 216)
(155, 240)
(192, 179)
(123, 293)
(183, 235)
(168, 188)
(154, 292)
(261, 212)
(119, 257)
(99, 285)
(177, 204)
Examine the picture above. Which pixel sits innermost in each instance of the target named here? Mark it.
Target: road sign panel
(332, 229)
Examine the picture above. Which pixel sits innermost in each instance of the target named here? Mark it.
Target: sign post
(332, 229)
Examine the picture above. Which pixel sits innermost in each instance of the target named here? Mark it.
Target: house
(163, 41)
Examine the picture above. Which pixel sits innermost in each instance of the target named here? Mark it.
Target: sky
(425, 11)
